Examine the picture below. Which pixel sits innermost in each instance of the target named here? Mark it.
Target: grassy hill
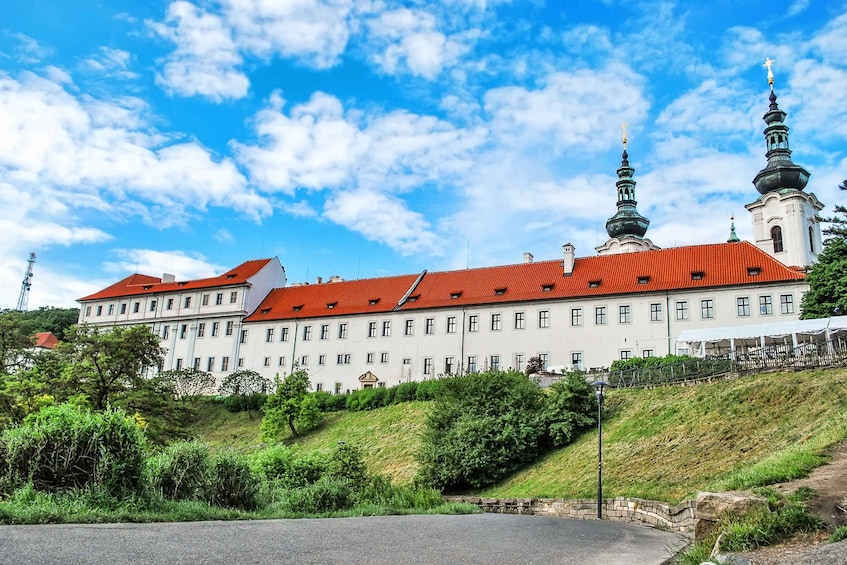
(662, 444)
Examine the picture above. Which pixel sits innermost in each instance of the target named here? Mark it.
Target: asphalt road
(475, 538)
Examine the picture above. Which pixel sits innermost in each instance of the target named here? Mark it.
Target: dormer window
(500, 291)
(754, 271)
(181, 284)
(643, 280)
(547, 287)
(414, 298)
(297, 308)
(594, 284)
(373, 301)
(231, 276)
(147, 286)
(265, 310)
(455, 294)
(331, 305)
(697, 275)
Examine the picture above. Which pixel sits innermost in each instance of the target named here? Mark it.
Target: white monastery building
(631, 299)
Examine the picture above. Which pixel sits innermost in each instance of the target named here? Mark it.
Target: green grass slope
(661, 444)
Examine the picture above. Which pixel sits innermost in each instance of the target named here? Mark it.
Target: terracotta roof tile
(138, 284)
(46, 340)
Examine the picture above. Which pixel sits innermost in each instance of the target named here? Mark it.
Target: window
(707, 309)
(283, 334)
(307, 333)
(267, 362)
(210, 364)
(205, 300)
(324, 331)
(471, 363)
(626, 354)
(429, 326)
(520, 320)
(624, 314)
(776, 237)
(386, 328)
(169, 305)
(229, 327)
(495, 322)
(123, 307)
(383, 357)
(183, 331)
(216, 329)
(135, 307)
(576, 360)
(111, 309)
(224, 363)
(409, 328)
(342, 330)
(196, 365)
(495, 363)
(269, 335)
(371, 329)
(765, 305)
(811, 239)
(786, 303)
(282, 361)
(304, 360)
(427, 366)
(343, 359)
(187, 302)
(100, 310)
(88, 311)
(369, 358)
(647, 353)
(320, 386)
(599, 315)
(682, 310)
(545, 360)
(544, 318)
(519, 361)
(473, 323)
(179, 364)
(165, 331)
(201, 329)
(233, 297)
(451, 324)
(449, 363)
(656, 312)
(322, 359)
(243, 336)
(743, 306)
(219, 299)
(576, 316)
(153, 304)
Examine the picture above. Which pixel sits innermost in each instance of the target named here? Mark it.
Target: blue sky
(373, 137)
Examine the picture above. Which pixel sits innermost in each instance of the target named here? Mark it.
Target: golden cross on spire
(623, 129)
(768, 64)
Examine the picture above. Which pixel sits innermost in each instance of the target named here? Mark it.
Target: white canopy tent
(755, 337)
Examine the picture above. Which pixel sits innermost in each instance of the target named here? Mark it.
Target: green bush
(328, 494)
(183, 471)
(427, 390)
(348, 462)
(570, 408)
(405, 392)
(66, 447)
(245, 402)
(330, 402)
(289, 469)
(234, 485)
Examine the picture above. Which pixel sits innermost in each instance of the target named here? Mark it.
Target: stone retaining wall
(679, 518)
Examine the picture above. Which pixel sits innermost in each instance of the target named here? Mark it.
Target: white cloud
(797, 7)
(27, 50)
(151, 262)
(112, 63)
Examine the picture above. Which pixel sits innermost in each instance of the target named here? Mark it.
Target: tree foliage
(291, 406)
(827, 294)
(16, 341)
(51, 319)
(188, 382)
(534, 365)
(569, 409)
(244, 383)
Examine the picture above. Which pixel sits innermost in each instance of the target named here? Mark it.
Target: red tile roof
(137, 284)
(723, 264)
(46, 340)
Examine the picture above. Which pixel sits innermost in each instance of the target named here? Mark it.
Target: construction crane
(23, 300)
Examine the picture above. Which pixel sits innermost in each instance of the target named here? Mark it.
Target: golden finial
(768, 64)
(623, 129)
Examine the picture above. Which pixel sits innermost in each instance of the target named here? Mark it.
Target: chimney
(319, 280)
(568, 263)
(527, 257)
(335, 279)
(168, 278)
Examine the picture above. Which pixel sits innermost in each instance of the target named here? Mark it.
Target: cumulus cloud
(183, 265)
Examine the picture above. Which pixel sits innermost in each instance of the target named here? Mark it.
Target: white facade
(786, 226)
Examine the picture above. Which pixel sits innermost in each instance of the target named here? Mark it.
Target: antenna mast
(23, 300)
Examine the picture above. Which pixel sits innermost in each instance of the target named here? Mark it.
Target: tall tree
(827, 294)
(50, 319)
(291, 406)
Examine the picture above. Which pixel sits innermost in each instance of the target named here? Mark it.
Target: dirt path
(830, 503)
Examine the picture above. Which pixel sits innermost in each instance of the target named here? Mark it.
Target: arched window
(776, 237)
(811, 239)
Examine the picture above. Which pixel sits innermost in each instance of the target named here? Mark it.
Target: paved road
(476, 538)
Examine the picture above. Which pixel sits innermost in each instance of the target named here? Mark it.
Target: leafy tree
(16, 342)
(534, 365)
(481, 428)
(102, 364)
(244, 383)
(827, 294)
(291, 406)
(188, 382)
(570, 408)
(50, 319)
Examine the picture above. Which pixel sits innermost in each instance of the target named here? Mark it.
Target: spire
(627, 221)
(733, 237)
(780, 173)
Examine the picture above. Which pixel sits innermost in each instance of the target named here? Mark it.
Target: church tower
(627, 227)
(785, 223)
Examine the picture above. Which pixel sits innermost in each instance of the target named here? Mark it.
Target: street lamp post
(598, 389)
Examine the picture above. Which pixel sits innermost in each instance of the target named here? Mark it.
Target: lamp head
(599, 386)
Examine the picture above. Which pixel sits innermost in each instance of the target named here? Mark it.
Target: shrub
(288, 468)
(328, 494)
(66, 447)
(234, 485)
(570, 408)
(427, 390)
(347, 462)
(183, 471)
(405, 392)
(245, 402)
